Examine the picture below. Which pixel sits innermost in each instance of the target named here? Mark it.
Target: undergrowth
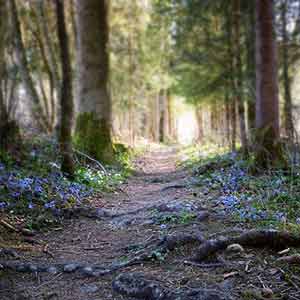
(32, 185)
(270, 199)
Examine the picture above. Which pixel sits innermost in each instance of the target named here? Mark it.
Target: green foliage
(98, 180)
(35, 188)
(184, 217)
(124, 156)
(271, 199)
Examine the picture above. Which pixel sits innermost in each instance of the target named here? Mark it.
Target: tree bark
(287, 111)
(53, 65)
(238, 83)
(3, 111)
(93, 124)
(66, 99)
(268, 151)
(23, 67)
(231, 85)
(250, 45)
(199, 117)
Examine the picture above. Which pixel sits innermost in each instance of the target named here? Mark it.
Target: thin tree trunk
(227, 120)
(231, 83)
(54, 66)
(131, 107)
(288, 118)
(199, 117)
(66, 100)
(170, 115)
(238, 86)
(250, 42)
(23, 67)
(163, 116)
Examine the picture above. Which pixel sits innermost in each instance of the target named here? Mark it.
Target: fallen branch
(254, 238)
(17, 230)
(92, 159)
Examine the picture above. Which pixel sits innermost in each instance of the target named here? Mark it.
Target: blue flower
(38, 189)
(3, 205)
(50, 204)
(25, 183)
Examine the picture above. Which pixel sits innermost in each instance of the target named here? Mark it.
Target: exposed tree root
(9, 252)
(255, 238)
(135, 285)
(149, 253)
(175, 186)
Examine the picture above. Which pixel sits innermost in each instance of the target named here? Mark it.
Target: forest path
(159, 200)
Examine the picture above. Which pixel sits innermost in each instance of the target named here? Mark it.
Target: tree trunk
(238, 83)
(250, 45)
(231, 85)
(66, 99)
(170, 115)
(155, 118)
(24, 69)
(227, 120)
(9, 130)
(287, 111)
(199, 117)
(163, 116)
(53, 65)
(93, 124)
(268, 150)
(3, 110)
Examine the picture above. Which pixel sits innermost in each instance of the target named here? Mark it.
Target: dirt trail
(162, 206)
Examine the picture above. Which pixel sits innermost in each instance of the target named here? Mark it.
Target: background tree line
(93, 73)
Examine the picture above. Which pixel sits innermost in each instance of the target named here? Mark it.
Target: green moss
(94, 138)
(269, 152)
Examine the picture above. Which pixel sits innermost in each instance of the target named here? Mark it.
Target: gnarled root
(135, 285)
(254, 238)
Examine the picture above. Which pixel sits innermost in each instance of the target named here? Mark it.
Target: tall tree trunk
(93, 124)
(24, 69)
(227, 120)
(231, 83)
(131, 106)
(199, 117)
(267, 104)
(3, 110)
(287, 117)
(53, 65)
(163, 116)
(66, 100)
(170, 114)
(238, 83)
(156, 117)
(250, 45)
(9, 130)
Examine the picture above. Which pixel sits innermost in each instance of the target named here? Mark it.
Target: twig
(9, 226)
(14, 229)
(93, 160)
(49, 281)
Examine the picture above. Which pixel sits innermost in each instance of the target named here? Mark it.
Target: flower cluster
(51, 192)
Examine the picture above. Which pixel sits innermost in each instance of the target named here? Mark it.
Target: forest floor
(159, 200)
